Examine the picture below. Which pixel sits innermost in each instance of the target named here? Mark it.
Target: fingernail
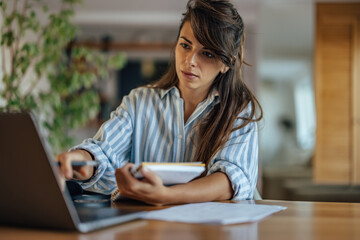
(145, 169)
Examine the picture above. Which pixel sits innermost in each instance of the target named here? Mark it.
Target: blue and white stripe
(149, 126)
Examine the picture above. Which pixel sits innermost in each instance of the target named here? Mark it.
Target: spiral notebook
(172, 173)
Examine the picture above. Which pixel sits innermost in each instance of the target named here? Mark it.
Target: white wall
(286, 42)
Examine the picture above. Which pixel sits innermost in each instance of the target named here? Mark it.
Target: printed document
(215, 213)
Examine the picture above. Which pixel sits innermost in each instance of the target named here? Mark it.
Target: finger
(120, 179)
(124, 173)
(77, 175)
(151, 176)
(84, 171)
(124, 178)
(129, 185)
(65, 167)
(127, 168)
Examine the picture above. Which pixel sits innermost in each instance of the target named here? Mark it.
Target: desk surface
(302, 220)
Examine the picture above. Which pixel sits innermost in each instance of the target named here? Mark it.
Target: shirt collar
(173, 90)
(213, 96)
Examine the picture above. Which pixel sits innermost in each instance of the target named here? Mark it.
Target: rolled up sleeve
(238, 159)
(110, 146)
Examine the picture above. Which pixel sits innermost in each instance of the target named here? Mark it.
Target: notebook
(172, 173)
(31, 191)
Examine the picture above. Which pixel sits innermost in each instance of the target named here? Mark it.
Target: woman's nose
(192, 59)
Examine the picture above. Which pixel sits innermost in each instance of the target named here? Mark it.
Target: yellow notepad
(172, 173)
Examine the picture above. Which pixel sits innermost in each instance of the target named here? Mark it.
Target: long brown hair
(218, 26)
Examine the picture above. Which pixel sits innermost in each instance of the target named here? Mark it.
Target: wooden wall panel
(356, 102)
(333, 138)
(337, 91)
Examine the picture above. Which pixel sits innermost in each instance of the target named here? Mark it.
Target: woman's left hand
(150, 189)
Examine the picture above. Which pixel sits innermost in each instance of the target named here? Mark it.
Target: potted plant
(41, 72)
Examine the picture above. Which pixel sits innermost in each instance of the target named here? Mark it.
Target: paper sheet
(214, 213)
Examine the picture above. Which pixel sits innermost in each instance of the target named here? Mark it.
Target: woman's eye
(208, 55)
(184, 45)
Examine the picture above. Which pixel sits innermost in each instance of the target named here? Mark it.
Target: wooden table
(301, 220)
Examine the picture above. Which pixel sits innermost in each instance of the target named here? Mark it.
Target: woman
(200, 110)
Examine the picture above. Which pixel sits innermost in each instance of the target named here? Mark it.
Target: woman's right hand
(75, 172)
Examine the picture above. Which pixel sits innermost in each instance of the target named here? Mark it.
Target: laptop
(31, 191)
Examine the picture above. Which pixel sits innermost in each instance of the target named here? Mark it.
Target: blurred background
(282, 47)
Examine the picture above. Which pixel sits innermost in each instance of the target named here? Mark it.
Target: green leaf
(117, 61)
(7, 38)
(45, 8)
(3, 6)
(72, 1)
(32, 14)
(25, 65)
(8, 20)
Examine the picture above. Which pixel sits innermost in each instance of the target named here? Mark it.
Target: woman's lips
(189, 74)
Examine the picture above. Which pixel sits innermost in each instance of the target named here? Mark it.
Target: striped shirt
(149, 126)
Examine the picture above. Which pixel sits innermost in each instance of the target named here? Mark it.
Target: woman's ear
(224, 69)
